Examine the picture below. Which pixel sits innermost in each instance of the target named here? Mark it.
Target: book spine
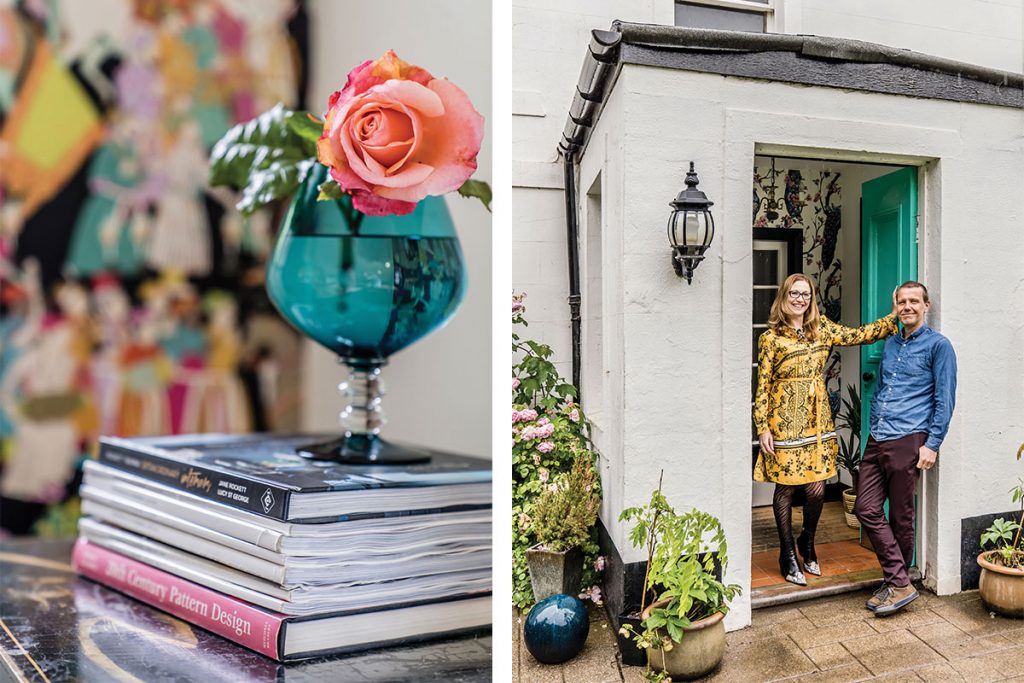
(229, 617)
(238, 492)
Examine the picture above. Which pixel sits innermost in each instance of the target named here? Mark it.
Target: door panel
(888, 258)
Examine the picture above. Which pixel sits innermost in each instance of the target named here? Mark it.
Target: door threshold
(786, 593)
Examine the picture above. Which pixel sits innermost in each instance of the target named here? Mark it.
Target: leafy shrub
(549, 434)
(565, 513)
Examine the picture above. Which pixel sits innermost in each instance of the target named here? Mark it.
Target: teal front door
(888, 257)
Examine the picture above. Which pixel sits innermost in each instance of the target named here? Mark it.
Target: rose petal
(449, 143)
(373, 205)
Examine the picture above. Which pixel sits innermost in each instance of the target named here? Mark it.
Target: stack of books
(290, 557)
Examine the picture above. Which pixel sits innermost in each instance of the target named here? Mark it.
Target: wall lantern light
(690, 227)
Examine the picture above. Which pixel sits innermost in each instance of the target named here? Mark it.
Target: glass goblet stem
(363, 394)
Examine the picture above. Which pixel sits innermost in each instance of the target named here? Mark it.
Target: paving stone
(837, 610)
(778, 615)
(971, 617)
(905, 619)
(829, 656)
(952, 643)
(832, 633)
(939, 673)
(898, 677)
(894, 651)
(598, 662)
(761, 631)
(765, 660)
(843, 674)
(991, 667)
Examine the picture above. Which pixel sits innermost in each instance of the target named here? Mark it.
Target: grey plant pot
(552, 573)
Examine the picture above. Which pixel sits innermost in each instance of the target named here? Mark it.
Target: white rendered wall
(439, 389)
(685, 350)
(985, 32)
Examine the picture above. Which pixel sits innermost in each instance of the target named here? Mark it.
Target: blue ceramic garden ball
(556, 629)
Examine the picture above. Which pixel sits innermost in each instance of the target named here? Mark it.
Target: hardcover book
(297, 600)
(240, 529)
(263, 474)
(277, 635)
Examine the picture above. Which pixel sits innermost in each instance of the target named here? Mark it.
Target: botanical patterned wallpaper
(810, 201)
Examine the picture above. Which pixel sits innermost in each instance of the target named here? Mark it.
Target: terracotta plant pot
(700, 650)
(1001, 588)
(552, 573)
(849, 500)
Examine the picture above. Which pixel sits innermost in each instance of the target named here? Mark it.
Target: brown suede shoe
(896, 598)
(875, 600)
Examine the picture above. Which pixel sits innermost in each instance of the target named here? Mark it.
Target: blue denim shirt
(916, 387)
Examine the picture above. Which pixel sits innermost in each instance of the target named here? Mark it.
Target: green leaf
(674, 631)
(306, 126)
(267, 158)
(329, 189)
(478, 189)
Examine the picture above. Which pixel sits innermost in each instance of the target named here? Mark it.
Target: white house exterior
(666, 366)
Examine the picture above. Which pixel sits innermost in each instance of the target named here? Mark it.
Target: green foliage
(849, 416)
(543, 412)
(267, 158)
(682, 550)
(566, 511)
(1004, 535)
(479, 189)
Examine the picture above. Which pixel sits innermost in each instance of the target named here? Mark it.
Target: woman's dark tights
(782, 504)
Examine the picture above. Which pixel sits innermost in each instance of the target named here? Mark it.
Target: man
(910, 413)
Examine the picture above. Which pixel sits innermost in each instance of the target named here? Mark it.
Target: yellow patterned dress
(792, 400)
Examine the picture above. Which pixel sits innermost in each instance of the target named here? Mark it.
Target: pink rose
(545, 431)
(528, 414)
(545, 447)
(515, 383)
(395, 134)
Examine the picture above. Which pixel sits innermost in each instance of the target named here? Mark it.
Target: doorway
(846, 226)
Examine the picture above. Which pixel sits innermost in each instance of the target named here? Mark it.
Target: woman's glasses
(805, 296)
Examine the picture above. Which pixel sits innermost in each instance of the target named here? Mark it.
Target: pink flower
(599, 563)
(545, 446)
(545, 431)
(515, 383)
(542, 475)
(574, 415)
(529, 433)
(528, 415)
(395, 134)
(592, 593)
(543, 421)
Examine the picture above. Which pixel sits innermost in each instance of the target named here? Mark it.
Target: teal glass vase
(364, 287)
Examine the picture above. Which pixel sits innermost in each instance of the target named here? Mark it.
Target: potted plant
(848, 416)
(1002, 569)
(563, 516)
(682, 630)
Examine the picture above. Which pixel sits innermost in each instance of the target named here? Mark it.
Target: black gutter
(592, 89)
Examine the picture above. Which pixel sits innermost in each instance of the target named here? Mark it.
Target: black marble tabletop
(56, 626)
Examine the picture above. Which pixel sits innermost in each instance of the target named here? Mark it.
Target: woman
(792, 413)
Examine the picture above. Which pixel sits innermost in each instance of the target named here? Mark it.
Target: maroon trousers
(889, 470)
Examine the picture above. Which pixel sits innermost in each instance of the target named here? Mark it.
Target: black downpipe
(572, 229)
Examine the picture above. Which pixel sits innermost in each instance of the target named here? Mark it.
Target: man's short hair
(912, 283)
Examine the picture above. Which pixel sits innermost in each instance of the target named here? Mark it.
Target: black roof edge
(605, 57)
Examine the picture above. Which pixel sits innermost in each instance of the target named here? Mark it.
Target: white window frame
(767, 9)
